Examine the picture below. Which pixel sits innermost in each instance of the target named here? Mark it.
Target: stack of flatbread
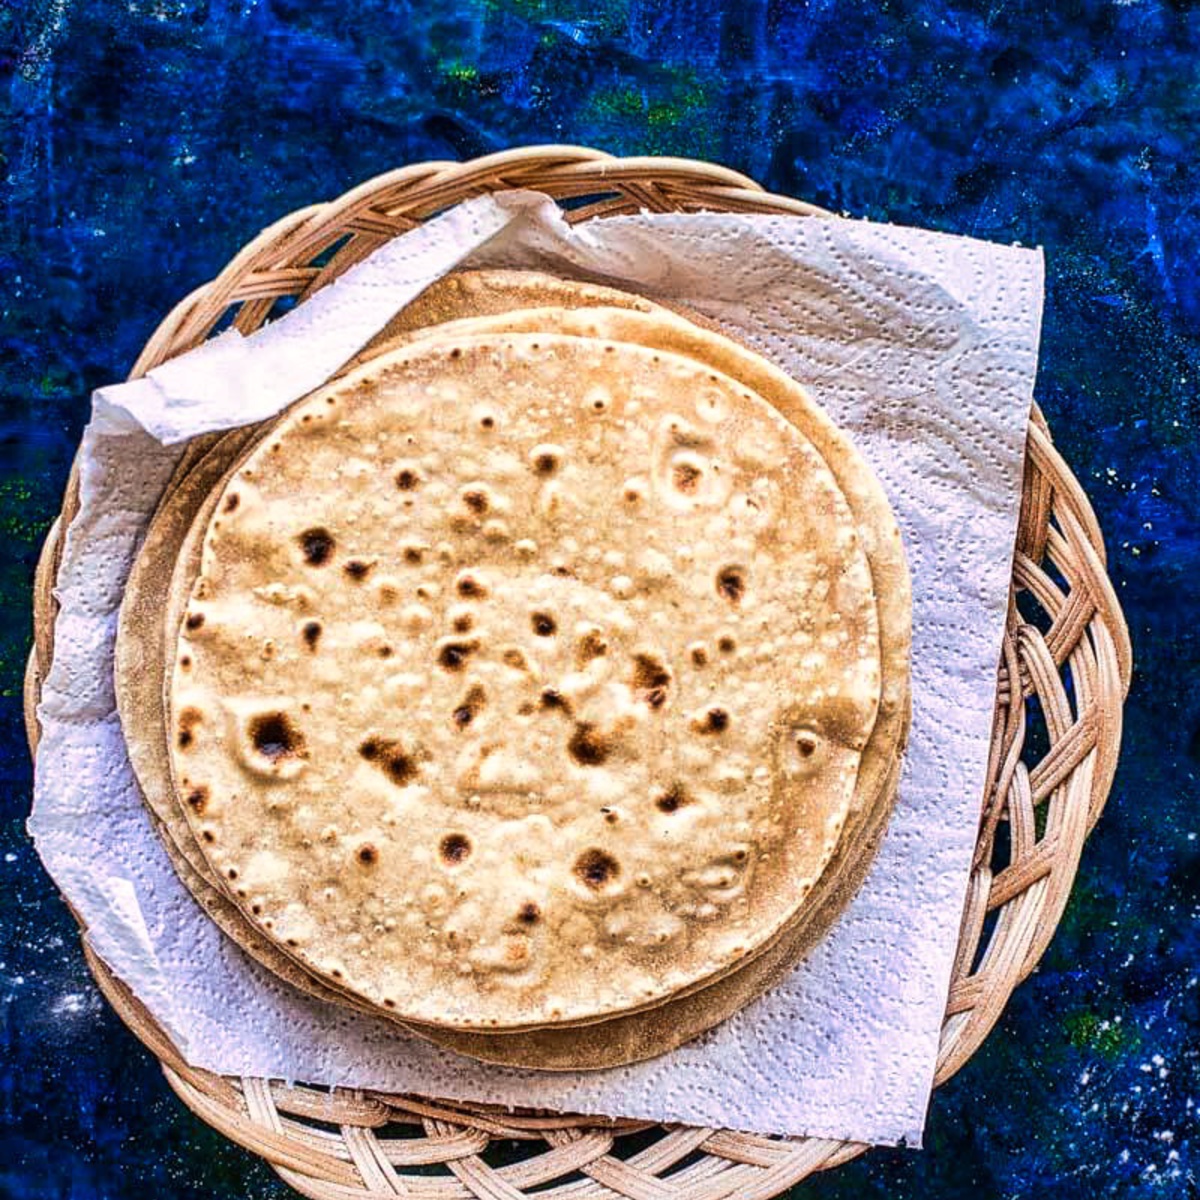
(541, 682)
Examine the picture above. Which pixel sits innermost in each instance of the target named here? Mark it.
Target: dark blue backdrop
(143, 142)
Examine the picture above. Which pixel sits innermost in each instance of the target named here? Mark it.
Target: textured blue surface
(144, 142)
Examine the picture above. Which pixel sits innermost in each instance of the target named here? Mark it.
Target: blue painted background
(143, 142)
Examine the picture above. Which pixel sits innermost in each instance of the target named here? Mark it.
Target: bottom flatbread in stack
(674, 1017)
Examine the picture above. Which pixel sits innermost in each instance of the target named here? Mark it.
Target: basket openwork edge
(1061, 683)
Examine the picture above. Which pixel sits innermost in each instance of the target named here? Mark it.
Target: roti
(139, 667)
(606, 1044)
(139, 658)
(186, 508)
(626, 1039)
(601, 1045)
(513, 872)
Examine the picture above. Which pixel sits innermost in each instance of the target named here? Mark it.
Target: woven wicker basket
(1065, 667)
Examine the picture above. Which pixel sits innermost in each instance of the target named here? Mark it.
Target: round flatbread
(606, 1044)
(700, 662)
(625, 1039)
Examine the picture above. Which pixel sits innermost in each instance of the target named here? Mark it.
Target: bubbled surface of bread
(527, 679)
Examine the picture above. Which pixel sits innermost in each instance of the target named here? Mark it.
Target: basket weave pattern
(1065, 667)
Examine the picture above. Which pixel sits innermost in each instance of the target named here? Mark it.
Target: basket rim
(1091, 638)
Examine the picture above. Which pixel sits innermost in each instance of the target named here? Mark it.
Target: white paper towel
(923, 346)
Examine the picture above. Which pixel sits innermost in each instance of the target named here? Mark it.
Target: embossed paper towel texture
(923, 346)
